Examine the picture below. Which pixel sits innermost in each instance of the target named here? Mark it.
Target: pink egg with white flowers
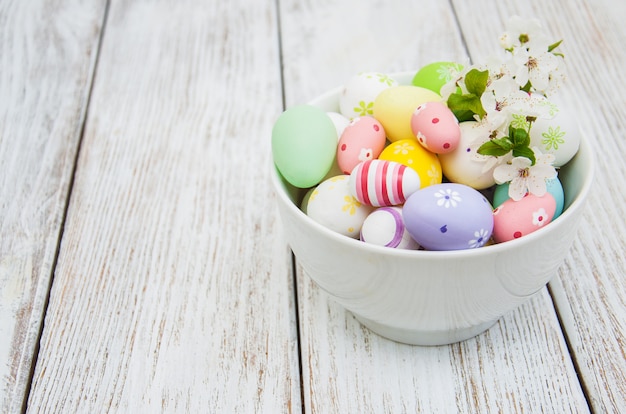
(435, 127)
(363, 139)
(514, 219)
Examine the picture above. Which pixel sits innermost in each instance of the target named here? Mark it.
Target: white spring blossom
(524, 177)
(515, 94)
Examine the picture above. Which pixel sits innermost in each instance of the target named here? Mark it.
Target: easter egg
(340, 122)
(514, 219)
(464, 165)
(305, 200)
(435, 127)
(359, 92)
(384, 227)
(333, 206)
(408, 152)
(434, 75)
(362, 140)
(553, 185)
(383, 183)
(394, 107)
(448, 216)
(304, 143)
(559, 136)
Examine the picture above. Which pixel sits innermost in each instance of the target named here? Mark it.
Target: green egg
(434, 75)
(304, 143)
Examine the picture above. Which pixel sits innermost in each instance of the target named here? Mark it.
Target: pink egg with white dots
(435, 127)
(514, 219)
(362, 140)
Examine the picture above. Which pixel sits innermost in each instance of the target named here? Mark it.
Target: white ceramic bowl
(432, 297)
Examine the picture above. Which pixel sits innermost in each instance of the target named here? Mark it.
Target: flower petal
(504, 173)
(536, 185)
(543, 171)
(517, 189)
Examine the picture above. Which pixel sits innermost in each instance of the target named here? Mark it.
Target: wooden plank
(522, 364)
(590, 290)
(171, 293)
(324, 45)
(47, 58)
(519, 365)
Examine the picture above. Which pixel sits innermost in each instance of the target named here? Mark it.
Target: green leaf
(519, 137)
(554, 45)
(476, 81)
(463, 115)
(466, 102)
(525, 152)
(492, 148)
(504, 143)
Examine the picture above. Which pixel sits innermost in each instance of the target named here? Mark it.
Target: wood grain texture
(47, 57)
(590, 290)
(173, 289)
(169, 296)
(326, 42)
(520, 365)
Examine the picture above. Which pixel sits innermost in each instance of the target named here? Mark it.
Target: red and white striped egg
(381, 183)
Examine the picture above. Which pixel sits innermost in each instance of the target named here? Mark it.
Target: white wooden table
(142, 262)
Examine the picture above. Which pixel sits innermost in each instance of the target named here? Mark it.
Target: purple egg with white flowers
(448, 216)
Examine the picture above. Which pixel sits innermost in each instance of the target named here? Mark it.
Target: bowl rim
(577, 203)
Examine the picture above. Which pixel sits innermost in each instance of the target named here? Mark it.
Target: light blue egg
(501, 194)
